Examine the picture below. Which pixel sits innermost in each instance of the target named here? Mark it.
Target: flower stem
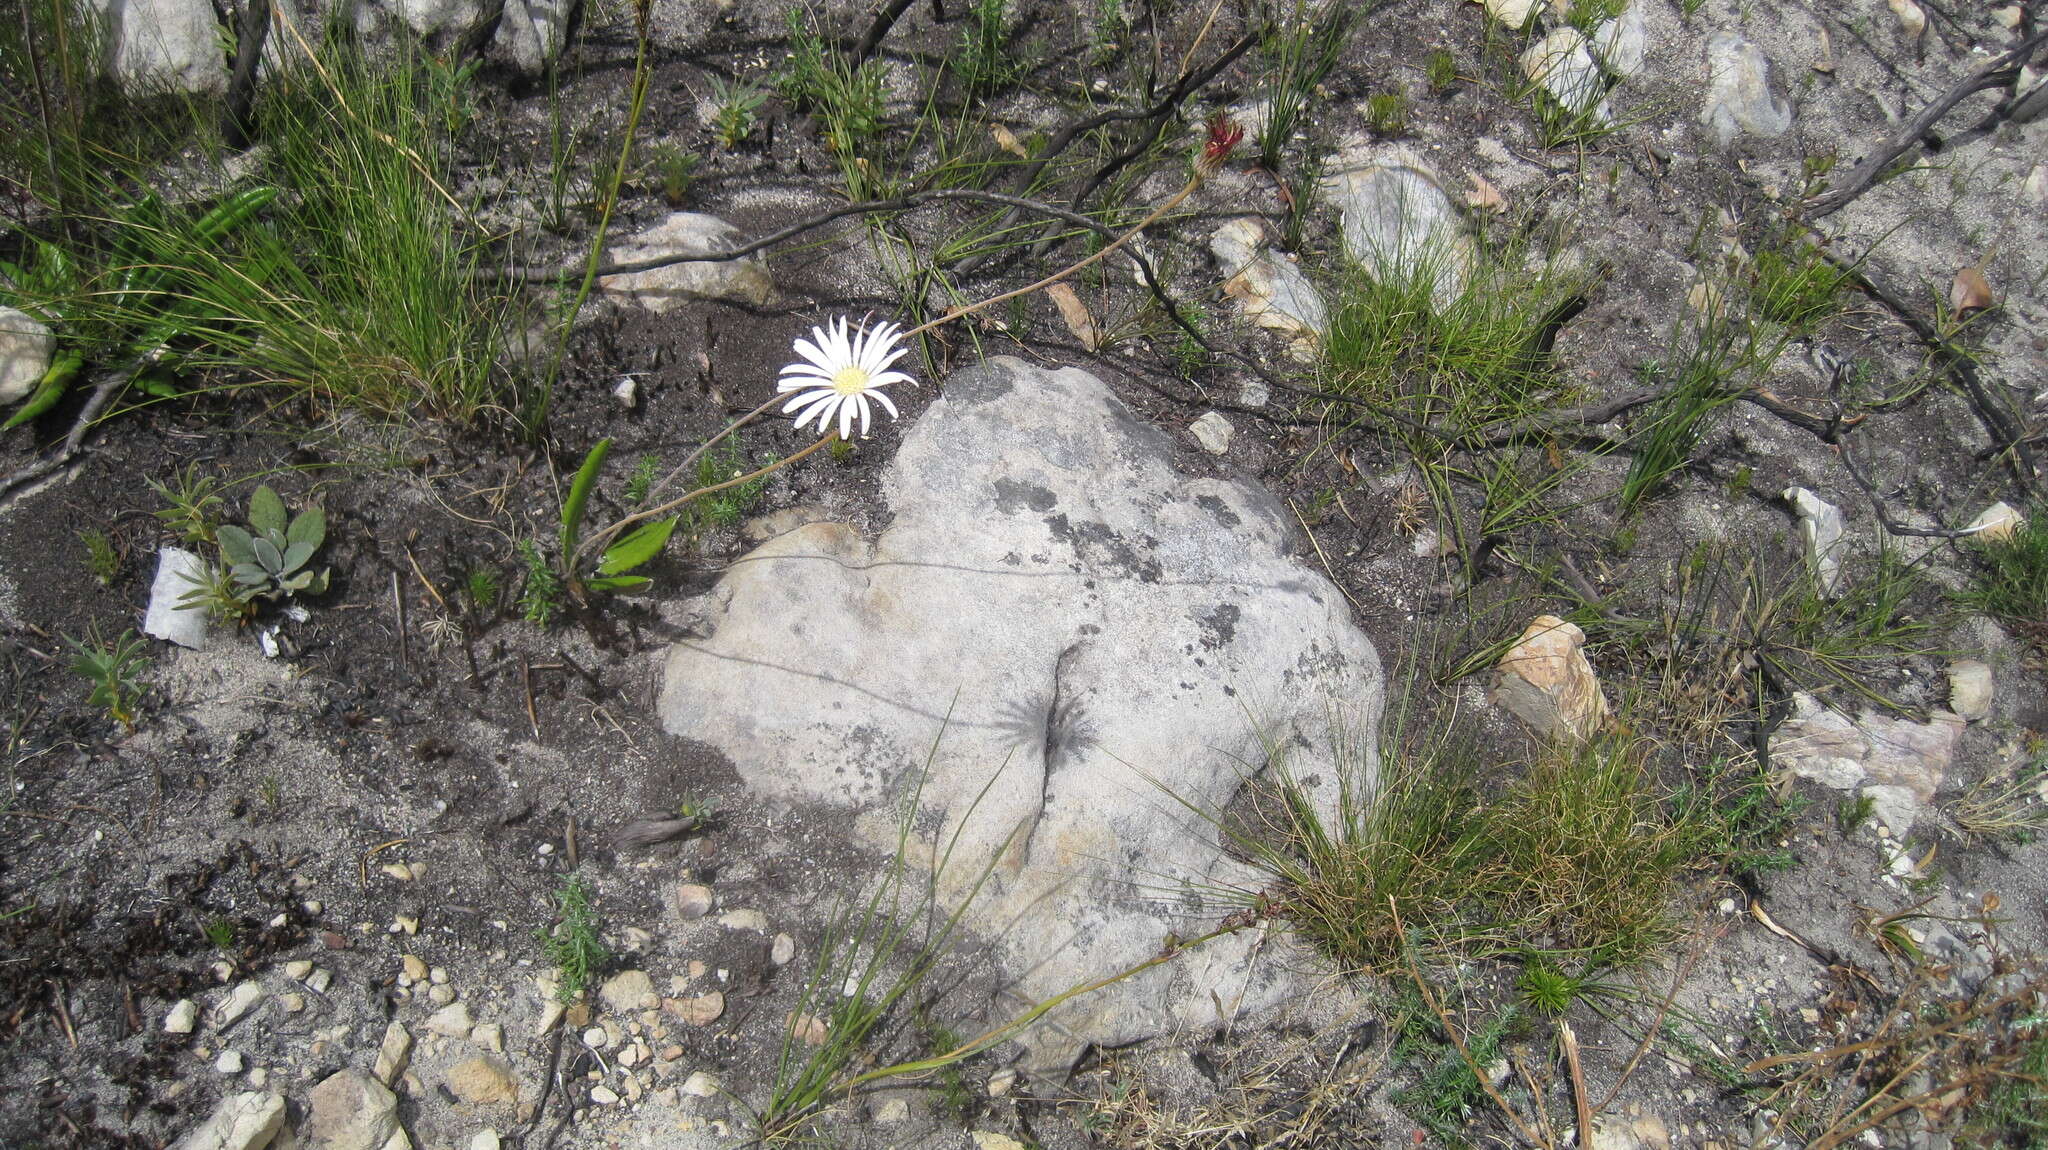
(605, 536)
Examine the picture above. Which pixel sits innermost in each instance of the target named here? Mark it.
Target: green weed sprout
(102, 562)
(573, 946)
(737, 112)
(193, 505)
(113, 670)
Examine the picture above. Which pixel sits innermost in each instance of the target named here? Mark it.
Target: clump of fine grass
(1793, 284)
(2009, 580)
(342, 267)
(1300, 49)
(1448, 330)
(1579, 851)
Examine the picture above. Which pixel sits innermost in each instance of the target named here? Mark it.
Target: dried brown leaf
(1971, 291)
(1007, 141)
(1076, 314)
(1484, 195)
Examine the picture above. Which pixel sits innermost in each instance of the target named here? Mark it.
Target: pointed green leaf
(236, 544)
(616, 582)
(636, 547)
(266, 510)
(579, 495)
(309, 528)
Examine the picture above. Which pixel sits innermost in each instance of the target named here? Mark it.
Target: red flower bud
(1224, 136)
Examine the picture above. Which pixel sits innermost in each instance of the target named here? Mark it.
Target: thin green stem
(641, 75)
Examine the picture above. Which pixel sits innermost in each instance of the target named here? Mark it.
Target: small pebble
(229, 1062)
(604, 1096)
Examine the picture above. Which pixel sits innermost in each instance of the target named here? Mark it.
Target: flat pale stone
(248, 1121)
(1739, 96)
(1085, 612)
(689, 233)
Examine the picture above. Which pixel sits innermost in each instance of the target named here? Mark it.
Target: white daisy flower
(840, 371)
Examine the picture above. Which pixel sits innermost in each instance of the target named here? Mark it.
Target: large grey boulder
(164, 45)
(1054, 613)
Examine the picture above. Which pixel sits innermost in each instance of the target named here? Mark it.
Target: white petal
(806, 399)
(884, 401)
(814, 405)
(881, 350)
(802, 379)
(814, 354)
(886, 378)
(846, 420)
(838, 345)
(863, 401)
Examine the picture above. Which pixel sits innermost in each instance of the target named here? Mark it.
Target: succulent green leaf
(309, 528)
(295, 556)
(237, 546)
(251, 574)
(266, 510)
(318, 585)
(579, 494)
(636, 547)
(616, 582)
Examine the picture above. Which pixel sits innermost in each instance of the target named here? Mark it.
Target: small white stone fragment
(489, 1035)
(1821, 532)
(178, 572)
(1997, 521)
(1513, 14)
(26, 347)
(604, 1096)
(484, 1140)
(693, 900)
(293, 1003)
(746, 919)
(597, 1038)
(701, 1085)
(627, 392)
(441, 995)
(1970, 688)
(392, 1054)
(782, 950)
(299, 970)
(229, 1062)
(319, 981)
(240, 1001)
(182, 1018)
(452, 1020)
(1213, 432)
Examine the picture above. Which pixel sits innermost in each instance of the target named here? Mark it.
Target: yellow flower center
(850, 380)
